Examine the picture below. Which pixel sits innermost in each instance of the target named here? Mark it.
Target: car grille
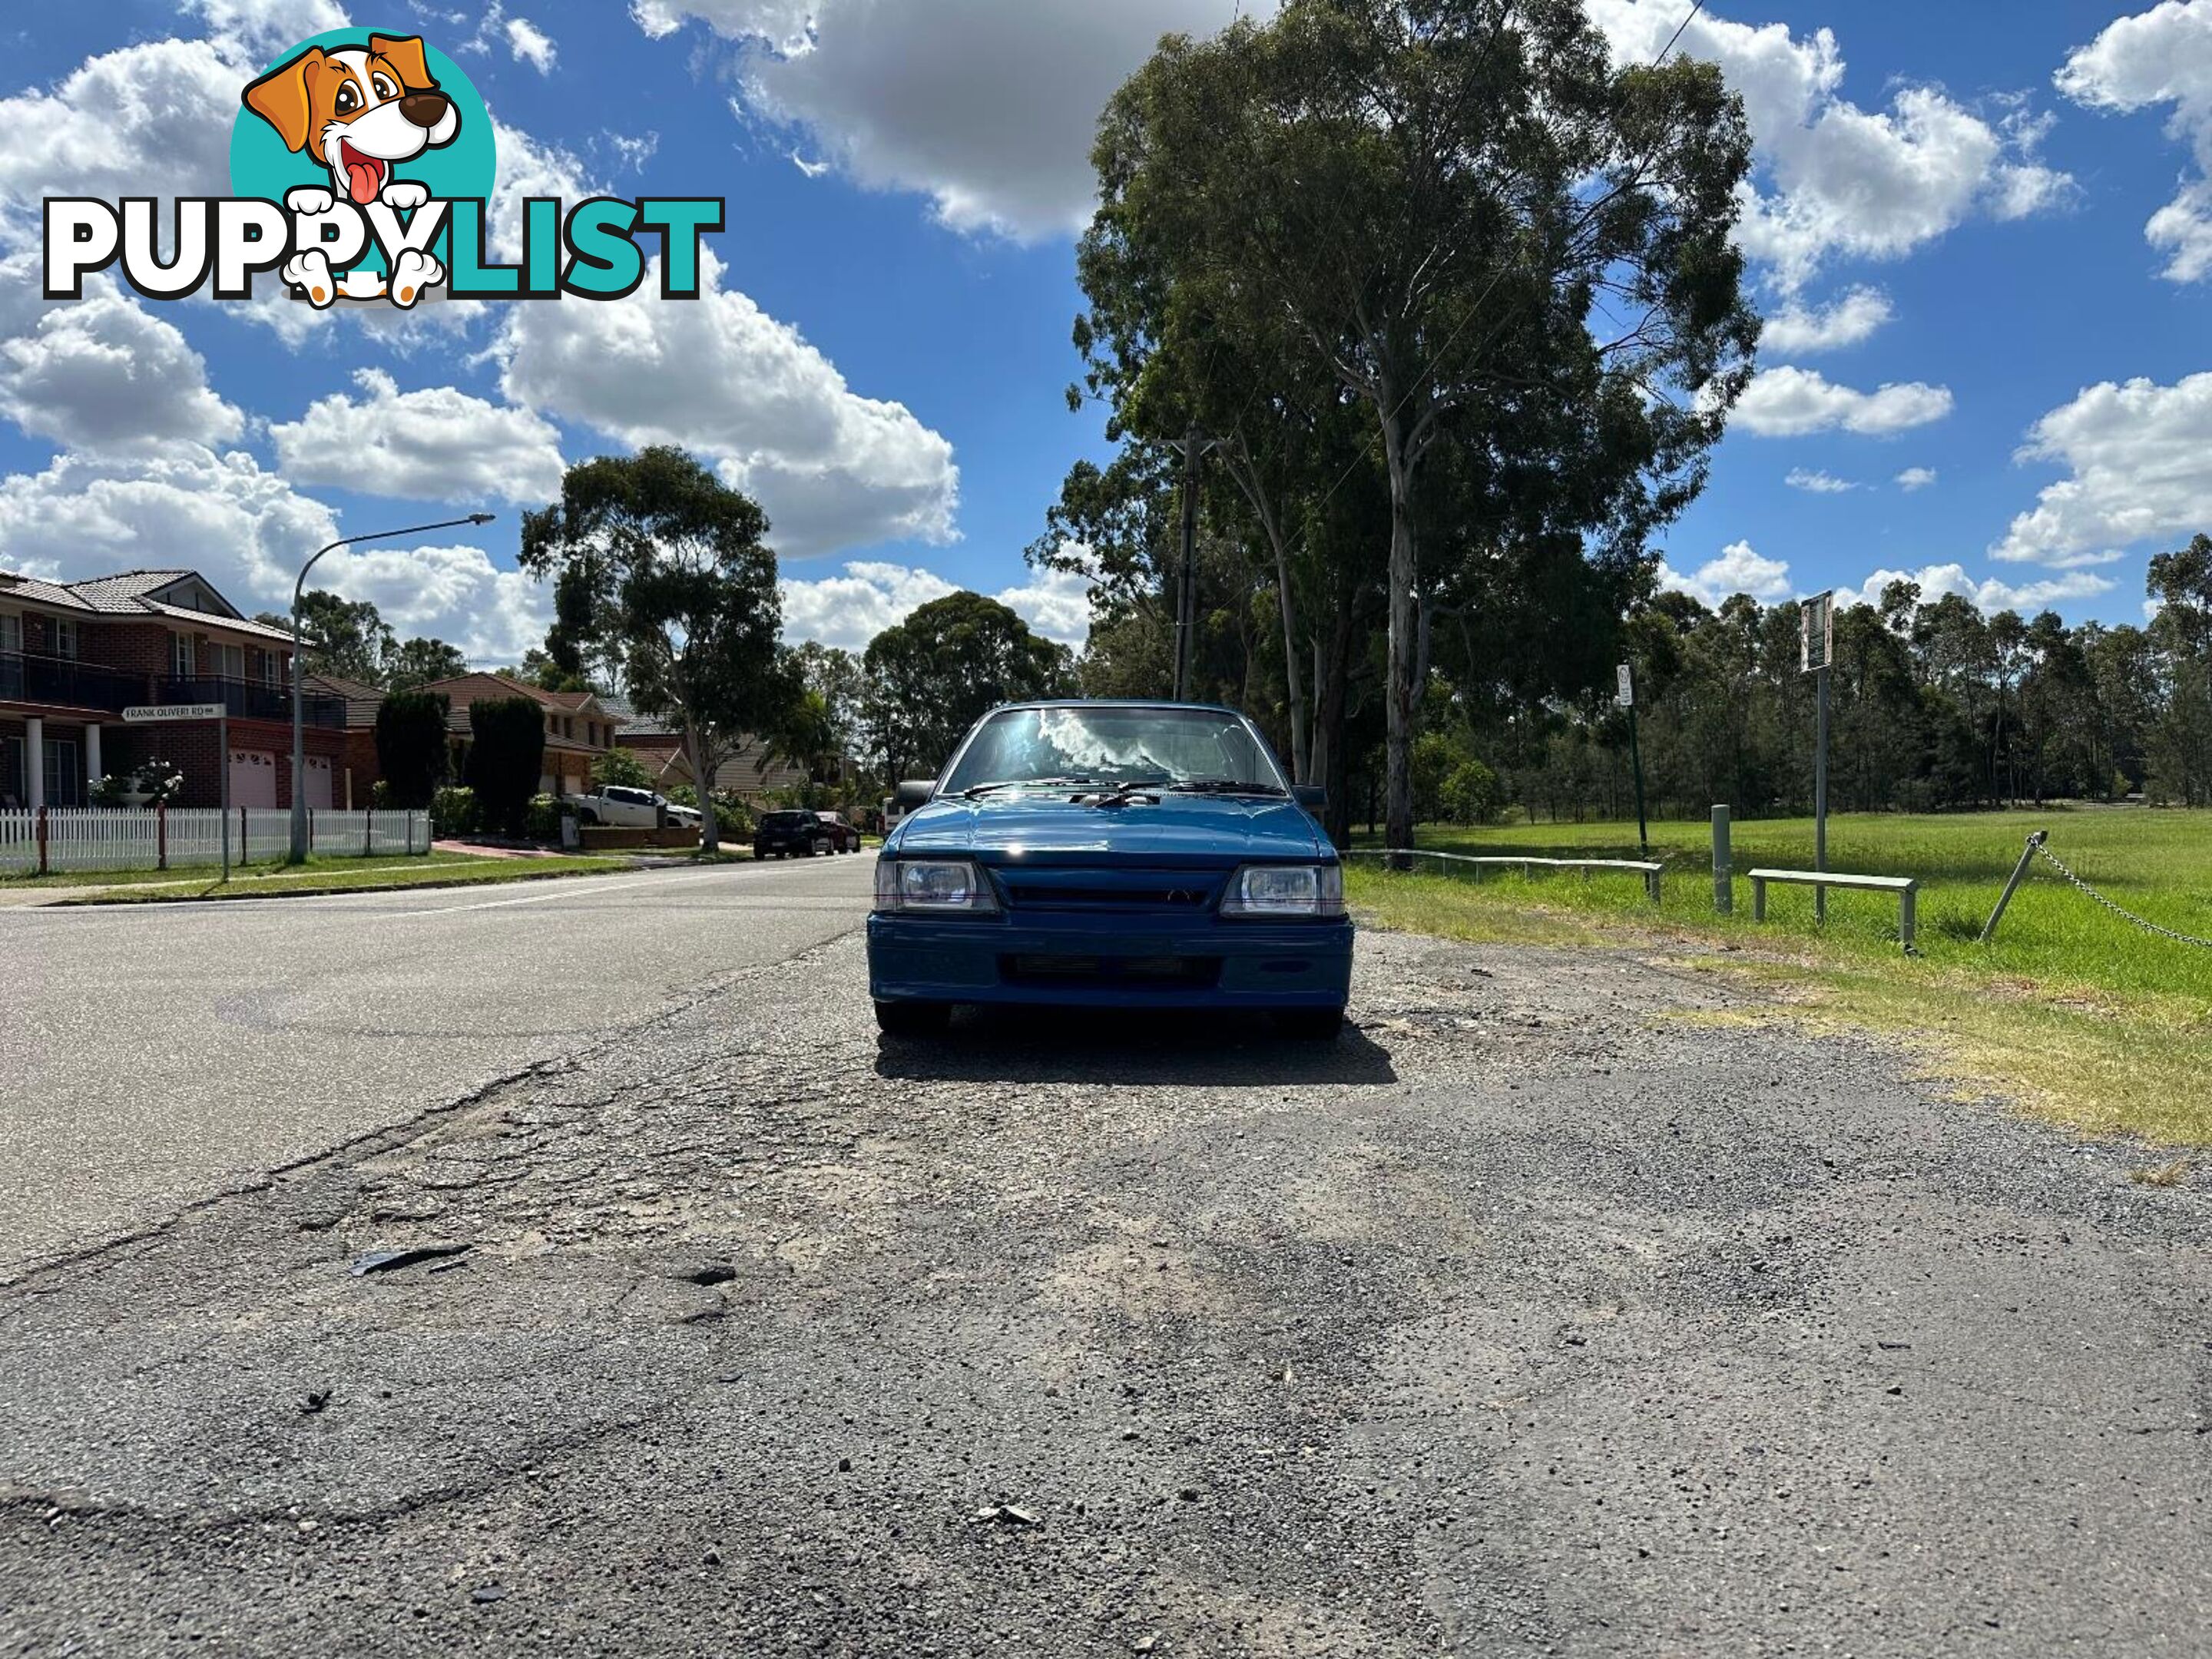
(1119, 973)
(1167, 892)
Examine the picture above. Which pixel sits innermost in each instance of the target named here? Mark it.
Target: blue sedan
(1110, 854)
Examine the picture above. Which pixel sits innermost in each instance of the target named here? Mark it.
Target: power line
(1698, 7)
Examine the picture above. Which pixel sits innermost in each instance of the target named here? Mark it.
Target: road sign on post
(1625, 698)
(220, 714)
(1816, 647)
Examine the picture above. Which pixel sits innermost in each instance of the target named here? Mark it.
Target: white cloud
(91, 134)
(102, 374)
(1855, 317)
(438, 444)
(2162, 56)
(1737, 570)
(1791, 402)
(253, 31)
(530, 44)
(2141, 461)
(1832, 178)
(246, 531)
(852, 609)
(1938, 580)
(1818, 483)
(1916, 477)
(718, 375)
(988, 107)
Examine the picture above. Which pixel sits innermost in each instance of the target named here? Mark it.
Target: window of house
(181, 656)
(13, 791)
(230, 661)
(65, 776)
(272, 670)
(65, 637)
(11, 636)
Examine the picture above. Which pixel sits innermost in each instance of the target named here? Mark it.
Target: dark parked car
(786, 833)
(847, 838)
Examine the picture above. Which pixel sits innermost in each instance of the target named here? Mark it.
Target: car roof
(1119, 702)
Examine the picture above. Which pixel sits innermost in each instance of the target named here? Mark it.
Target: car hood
(1201, 828)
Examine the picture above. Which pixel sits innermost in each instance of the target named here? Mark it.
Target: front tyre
(1310, 1024)
(913, 1019)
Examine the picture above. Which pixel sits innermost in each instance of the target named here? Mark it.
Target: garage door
(253, 777)
(318, 784)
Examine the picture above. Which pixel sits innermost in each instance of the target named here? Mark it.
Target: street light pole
(298, 840)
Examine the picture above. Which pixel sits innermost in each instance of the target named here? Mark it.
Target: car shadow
(1135, 1046)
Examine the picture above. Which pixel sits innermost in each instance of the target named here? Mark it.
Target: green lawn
(320, 876)
(2072, 1009)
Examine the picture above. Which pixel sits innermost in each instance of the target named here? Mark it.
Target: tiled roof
(629, 723)
(208, 619)
(116, 592)
(30, 588)
(361, 701)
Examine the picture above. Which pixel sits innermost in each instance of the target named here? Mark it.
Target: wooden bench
(1649, 870)
(1907, 888)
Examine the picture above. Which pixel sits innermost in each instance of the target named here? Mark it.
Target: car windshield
(1114, 745)
(787, 820)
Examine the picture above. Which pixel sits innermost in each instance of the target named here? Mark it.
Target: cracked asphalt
(1570, 1305)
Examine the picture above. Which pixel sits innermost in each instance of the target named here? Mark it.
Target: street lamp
(299, 851)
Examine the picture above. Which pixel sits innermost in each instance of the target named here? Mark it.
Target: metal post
(1820, 795)
(1723, 864)
(298, 850)
(1636, 757)
(2019, 874)
(222, 771)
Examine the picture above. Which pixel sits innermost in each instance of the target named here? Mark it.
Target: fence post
(368, 830)
(245, 846)
(42, 837)
(2019, 874)
(161, 836)
(1651, 885)
(311, 831)
(1723, 864)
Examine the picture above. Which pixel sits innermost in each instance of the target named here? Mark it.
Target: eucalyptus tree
(1475, 225)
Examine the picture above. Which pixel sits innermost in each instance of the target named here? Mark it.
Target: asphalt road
(153, 1055)
(1574, 1306)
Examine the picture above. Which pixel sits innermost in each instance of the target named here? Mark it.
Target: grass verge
(314, 881)
(2078, 1015)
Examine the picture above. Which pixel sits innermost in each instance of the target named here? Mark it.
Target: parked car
(791, 833)
(843, 838)
(619, 806)
(1119, 854)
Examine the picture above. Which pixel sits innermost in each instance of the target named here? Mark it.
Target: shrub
(453, 812)
(506, 756)
(1471, 794)
(410, 746)
(543, 821)
(622, 768)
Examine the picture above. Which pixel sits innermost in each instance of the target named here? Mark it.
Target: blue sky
(1976, 226)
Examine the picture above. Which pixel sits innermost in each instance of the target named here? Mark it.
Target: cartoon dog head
(357, 110)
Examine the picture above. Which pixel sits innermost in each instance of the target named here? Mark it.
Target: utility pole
(1816, 655)
(1187, 574)
(1626, 699)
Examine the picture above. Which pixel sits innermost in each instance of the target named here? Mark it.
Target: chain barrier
(2126, 914)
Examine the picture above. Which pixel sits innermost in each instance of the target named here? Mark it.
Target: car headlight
(1307, 891)
(935, 887)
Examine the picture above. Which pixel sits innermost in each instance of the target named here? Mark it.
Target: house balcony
(67, 684)
(251, 699)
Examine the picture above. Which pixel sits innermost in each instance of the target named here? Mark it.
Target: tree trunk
(702, 781)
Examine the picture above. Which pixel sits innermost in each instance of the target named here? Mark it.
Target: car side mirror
(1311, 796)
(915, 792)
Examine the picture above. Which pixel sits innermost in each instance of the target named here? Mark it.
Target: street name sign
(1625, 698)
(179, 711)
(1816, 633)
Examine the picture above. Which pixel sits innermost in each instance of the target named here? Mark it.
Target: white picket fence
(57, 839)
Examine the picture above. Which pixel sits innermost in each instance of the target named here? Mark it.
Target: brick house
(750, 774)
(578, 728)
(74, 655)
(361, 768)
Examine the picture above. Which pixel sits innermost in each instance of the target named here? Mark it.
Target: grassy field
(2071, 1009)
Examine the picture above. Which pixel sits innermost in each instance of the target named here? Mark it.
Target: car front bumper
(1110, 959)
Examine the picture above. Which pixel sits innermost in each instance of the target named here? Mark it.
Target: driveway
(1571, 1306)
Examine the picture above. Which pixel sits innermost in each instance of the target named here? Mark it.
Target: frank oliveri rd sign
(182, 711)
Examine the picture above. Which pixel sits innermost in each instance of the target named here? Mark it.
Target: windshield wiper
(975, 790)
(1225, 786)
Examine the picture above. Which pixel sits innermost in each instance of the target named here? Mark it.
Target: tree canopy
(934, 675)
